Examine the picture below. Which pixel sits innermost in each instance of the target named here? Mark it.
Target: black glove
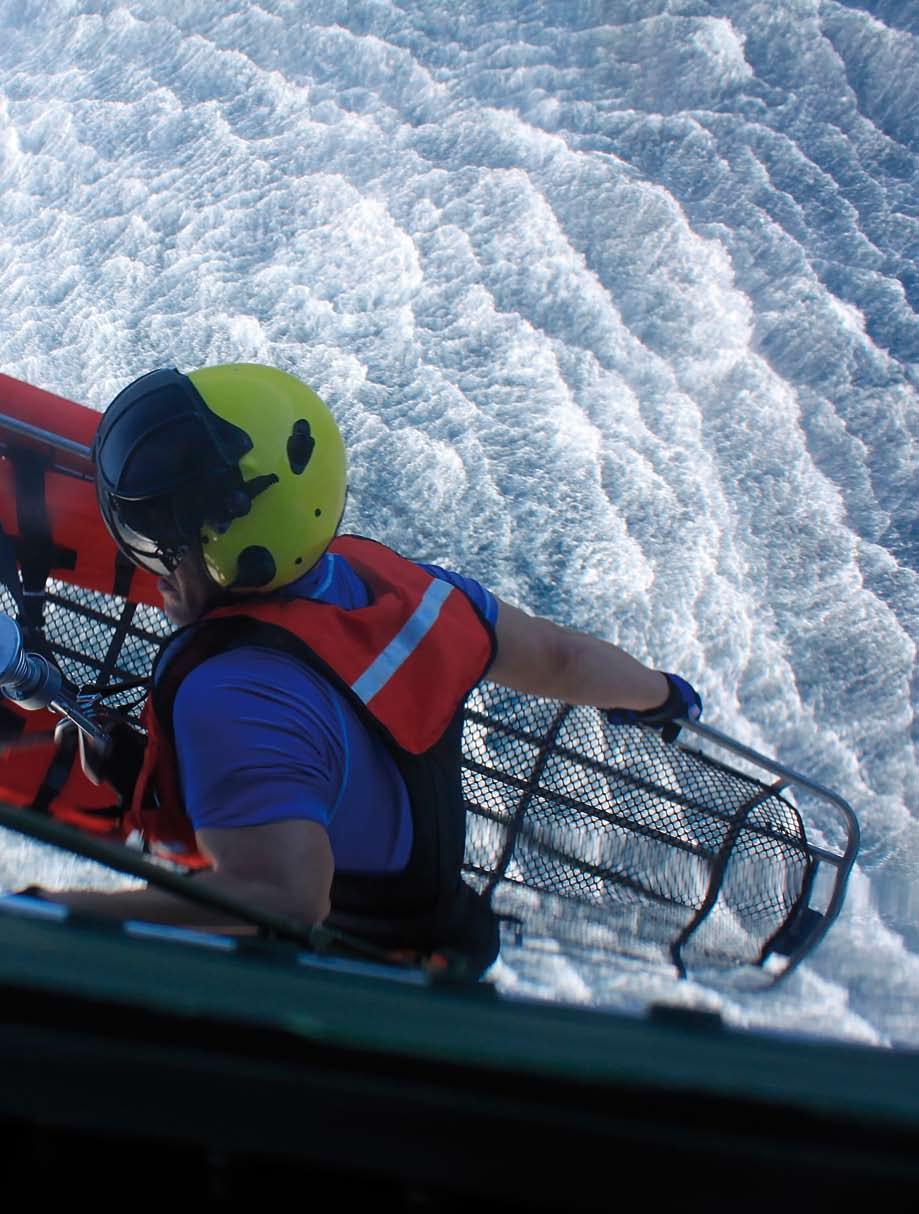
(121, 764)
(683, 701)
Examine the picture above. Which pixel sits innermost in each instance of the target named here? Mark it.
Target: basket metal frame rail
(76, 459)
(808, 926)
(817, 903)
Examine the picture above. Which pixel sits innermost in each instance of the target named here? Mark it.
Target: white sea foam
(616, 304)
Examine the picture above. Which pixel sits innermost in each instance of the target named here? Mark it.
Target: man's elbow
(314, 911)
(285, 868)
(309, 907)
(303, 905)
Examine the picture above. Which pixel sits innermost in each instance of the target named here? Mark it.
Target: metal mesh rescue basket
(607, 840)
(597, 839)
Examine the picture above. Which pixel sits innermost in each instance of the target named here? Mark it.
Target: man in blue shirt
(286, 769)
(261, 739)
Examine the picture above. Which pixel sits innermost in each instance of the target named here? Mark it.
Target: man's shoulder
(253, 671)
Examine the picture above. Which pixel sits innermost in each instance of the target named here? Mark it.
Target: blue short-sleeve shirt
(261, 738)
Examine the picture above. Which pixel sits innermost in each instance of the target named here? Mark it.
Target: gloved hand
(683, 701)
(120, 765)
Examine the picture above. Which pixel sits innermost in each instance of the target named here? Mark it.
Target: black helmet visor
(164, 464)
(148, 532)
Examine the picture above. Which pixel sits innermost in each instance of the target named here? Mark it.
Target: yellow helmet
(243, 459)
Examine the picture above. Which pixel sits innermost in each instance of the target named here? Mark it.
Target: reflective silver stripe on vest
(404, 643)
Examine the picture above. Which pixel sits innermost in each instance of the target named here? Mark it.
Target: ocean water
(616, 304)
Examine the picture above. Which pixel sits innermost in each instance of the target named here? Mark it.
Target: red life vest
(406, 662)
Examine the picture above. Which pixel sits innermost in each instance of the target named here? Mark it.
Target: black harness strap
(12, 724)
(9, 569)
(124, 572)
(58, 772)
(110, 661)
(38, 553)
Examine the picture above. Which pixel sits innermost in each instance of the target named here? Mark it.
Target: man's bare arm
(285, 868)
(542, 658)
